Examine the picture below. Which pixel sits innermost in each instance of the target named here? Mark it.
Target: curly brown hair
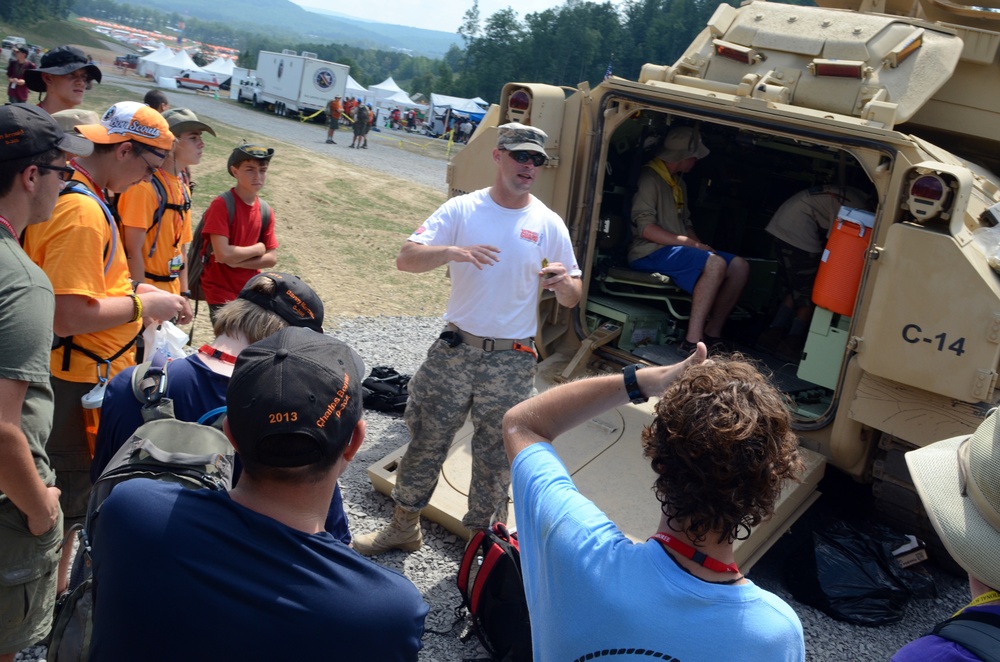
(722, 446)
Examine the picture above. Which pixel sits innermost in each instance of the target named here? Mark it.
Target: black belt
(492, 344)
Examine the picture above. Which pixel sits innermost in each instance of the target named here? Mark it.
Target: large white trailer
(292, 84)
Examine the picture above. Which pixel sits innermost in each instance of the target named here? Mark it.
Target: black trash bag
(385, 390)
(848, 571)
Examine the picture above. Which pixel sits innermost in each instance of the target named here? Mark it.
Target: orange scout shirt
(69, 247)
(136, 207)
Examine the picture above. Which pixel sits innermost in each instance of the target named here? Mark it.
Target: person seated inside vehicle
(664, 241)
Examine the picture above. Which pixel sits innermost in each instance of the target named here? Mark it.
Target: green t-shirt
(27, 307)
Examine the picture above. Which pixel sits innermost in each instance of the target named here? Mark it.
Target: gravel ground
(402, 343)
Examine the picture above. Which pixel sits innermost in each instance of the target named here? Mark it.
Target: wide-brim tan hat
(182, 120)
(958, 481)
(682, 143)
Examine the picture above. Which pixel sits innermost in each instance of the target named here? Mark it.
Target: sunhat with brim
(182, 120)
(71, 118)
(130, 120)
(682, 143)
(60, 61)
(958, 481)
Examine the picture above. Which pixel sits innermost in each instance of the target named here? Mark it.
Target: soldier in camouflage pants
(450, 382)
(503, 247)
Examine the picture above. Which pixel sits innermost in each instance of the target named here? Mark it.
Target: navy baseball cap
(295, 398)
(292, 300)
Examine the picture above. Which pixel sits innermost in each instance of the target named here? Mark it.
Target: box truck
(292, 84)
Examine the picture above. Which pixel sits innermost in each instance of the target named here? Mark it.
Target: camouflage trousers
(451, 383)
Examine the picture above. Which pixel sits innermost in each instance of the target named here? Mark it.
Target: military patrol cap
(682, 143)
(517, 137)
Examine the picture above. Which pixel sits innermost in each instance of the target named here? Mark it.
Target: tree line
(565, 45)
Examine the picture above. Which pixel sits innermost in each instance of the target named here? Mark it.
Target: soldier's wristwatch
(632, 384)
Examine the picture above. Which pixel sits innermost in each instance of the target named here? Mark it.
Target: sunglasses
(65, 173)
(538, 160)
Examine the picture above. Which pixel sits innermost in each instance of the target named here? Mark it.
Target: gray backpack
(196, 456)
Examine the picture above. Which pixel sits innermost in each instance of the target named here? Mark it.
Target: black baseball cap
(27, 130)
(292, 300)
(294, 398)
(60, 61)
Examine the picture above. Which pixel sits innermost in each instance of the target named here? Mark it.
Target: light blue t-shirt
(591, 590)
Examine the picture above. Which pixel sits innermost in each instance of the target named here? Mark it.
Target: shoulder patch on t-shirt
(419, 230)
(530, 235)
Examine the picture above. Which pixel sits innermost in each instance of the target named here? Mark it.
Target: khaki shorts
(28, 569)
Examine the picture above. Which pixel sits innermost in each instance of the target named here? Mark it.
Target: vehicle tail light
(927, 196)
(838, 68)
(905, 48)
(736, 52)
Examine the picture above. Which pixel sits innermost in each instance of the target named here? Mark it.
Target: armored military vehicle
(900, 98)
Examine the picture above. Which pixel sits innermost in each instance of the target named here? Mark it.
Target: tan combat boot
(402, 533)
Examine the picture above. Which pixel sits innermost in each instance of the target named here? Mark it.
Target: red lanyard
(208, 350)
(83, 171)
(4, 222)
(687, 551)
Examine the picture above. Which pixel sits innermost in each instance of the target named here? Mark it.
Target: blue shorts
(682, 263)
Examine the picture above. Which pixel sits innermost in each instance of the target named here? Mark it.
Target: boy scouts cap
(130, 120)
(291, 300)
(182, 120)
(958, 481)
(27, 130)
(515, 137)
(60, 61)
(294, 398)
(682, 143)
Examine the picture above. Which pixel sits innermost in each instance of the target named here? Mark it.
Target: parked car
(129, 61)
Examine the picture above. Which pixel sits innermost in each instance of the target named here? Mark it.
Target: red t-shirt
(223, 283)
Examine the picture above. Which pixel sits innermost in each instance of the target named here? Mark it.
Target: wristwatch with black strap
(632, 384)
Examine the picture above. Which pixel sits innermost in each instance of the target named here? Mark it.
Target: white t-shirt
(500, 300)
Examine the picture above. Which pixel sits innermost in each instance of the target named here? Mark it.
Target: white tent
(181, 61)
(222, 66)
(386, 88)
(474, 108)
(400, 99)
(147, 64)
(354, 89)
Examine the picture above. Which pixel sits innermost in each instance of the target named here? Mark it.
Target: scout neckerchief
(660, 168)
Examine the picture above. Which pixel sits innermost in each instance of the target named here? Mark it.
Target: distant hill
(284, 16)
